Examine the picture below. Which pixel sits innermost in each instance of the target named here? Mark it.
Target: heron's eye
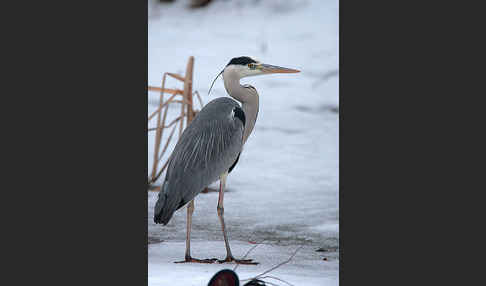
(251, 66)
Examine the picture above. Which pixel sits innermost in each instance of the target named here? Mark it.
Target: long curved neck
(248, 98)
(251, 112)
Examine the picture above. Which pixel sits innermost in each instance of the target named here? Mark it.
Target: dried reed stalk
(187, 109)
(170, 100)
(162, 106)
(165, 90)
(177, 76)
(158, 134)
(168, 140)
(170, 124)
(188, 89)
(199, 98)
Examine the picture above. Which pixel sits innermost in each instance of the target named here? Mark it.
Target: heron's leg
(220, 208)
(188, 258)
(190, 211)
(229, 256)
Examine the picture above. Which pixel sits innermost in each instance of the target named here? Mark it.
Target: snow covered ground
(285, 188)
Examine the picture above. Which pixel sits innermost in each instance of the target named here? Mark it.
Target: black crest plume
(241, 61)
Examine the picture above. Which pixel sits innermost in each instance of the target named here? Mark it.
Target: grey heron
(210, 146)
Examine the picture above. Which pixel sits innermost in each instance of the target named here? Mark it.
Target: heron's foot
(195, 260)
(238, 261)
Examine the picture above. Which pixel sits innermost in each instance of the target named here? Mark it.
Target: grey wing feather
(207, 148)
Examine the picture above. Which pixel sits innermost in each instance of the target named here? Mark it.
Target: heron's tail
(164, 208)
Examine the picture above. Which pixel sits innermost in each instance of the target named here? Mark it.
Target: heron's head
(241, 67)
(246, 66)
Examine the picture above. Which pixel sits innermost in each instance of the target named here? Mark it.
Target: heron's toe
(196, 260)
(238, 261)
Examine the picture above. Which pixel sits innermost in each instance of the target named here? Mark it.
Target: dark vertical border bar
(79, 205)
(401, 67)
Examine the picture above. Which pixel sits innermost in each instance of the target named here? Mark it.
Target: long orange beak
(275, 69)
